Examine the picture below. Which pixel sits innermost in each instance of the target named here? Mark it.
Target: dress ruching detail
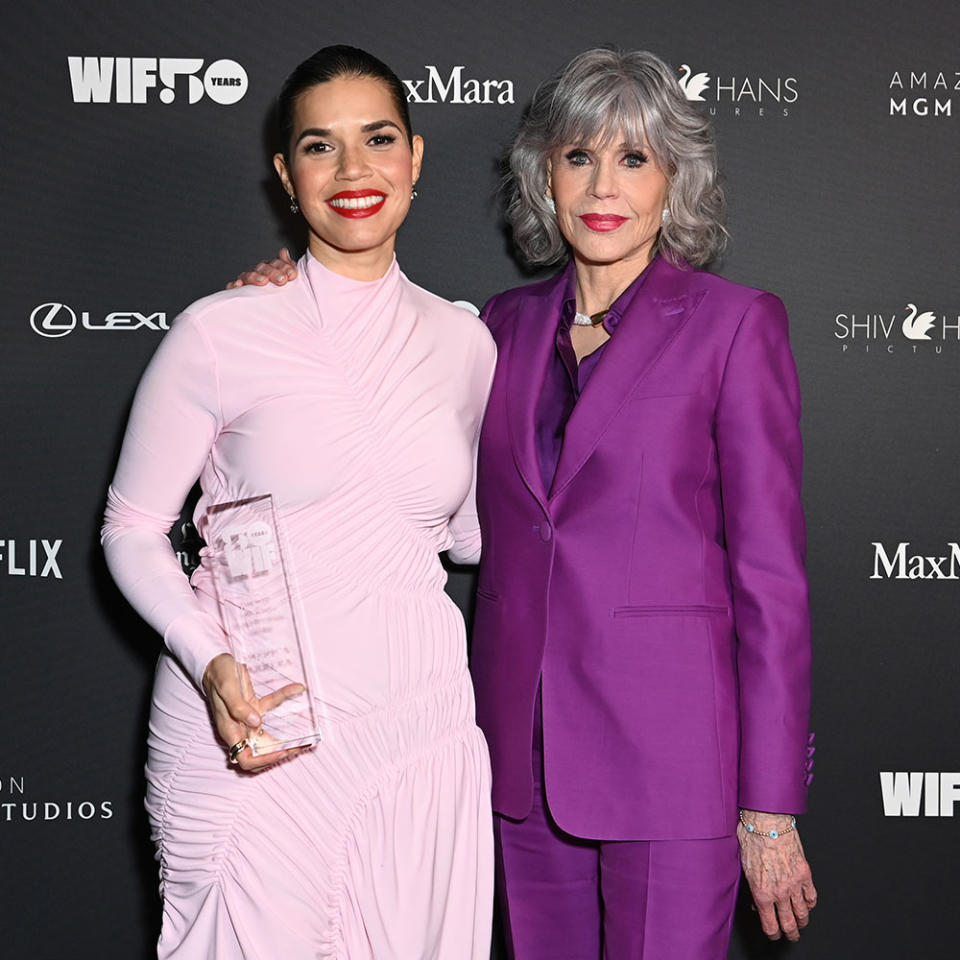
(356, 406)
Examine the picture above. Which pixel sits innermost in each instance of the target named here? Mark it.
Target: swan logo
(748, 94)
(916, 327)
(127, 79)
(863, 330)
(693, 84)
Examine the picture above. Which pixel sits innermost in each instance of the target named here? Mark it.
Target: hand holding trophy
(255, 694)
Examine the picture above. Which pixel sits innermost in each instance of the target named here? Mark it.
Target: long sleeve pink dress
(357, 406)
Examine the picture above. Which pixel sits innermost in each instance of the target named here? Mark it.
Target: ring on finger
(237, 749)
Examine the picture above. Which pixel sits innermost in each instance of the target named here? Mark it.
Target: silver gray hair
(601, 94)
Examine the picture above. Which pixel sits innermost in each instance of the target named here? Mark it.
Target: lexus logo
(57, 320)
(53, 320)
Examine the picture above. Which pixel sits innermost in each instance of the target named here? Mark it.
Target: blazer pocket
(488, 595)
(686, 610)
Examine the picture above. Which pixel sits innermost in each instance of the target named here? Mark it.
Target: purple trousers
(569, 898)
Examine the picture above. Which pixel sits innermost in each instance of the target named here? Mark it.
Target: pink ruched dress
(357, 406)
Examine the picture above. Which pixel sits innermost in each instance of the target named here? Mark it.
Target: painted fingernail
(253, 720)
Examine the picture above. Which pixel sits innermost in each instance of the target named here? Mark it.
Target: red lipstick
(371, 202)
(602, 222)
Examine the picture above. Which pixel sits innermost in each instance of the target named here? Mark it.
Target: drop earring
(549, 202)
(294, 206)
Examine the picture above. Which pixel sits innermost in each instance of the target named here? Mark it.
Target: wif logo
(904, 792)
(128, 79)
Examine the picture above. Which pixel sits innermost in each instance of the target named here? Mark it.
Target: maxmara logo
(904, 792)
(130, 79)
(912, 330)
(901, 563)
(55, 319)
(456, 86)
(928, 93)
(744, 94)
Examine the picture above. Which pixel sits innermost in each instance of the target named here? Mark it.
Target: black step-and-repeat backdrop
(136, 178)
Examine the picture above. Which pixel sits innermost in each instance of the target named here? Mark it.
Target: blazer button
(546, 532)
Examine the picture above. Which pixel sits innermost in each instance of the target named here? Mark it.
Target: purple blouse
(564, 379)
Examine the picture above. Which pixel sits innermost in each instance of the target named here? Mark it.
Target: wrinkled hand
(238, 712)
(277, 271)
(778, 874)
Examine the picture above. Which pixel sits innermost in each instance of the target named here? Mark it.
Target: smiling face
(351, 169)
(610, 200)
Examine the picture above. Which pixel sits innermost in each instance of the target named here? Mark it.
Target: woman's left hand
(278, 271)
(778, 873)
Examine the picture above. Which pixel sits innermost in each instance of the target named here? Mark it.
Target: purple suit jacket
(659, 585)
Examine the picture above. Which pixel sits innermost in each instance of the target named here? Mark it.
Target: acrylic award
(253, 578)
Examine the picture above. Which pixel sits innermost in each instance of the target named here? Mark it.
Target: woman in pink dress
(354, 398)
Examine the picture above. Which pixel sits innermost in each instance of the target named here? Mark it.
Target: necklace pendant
(590, 320)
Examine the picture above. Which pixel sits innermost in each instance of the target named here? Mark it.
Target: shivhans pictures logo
(914, 331)
(749, 95)
(55, 319)
(456, 88)
(128, 79)
(923, 94)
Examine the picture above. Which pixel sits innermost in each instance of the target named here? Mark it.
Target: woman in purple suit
(641, 650)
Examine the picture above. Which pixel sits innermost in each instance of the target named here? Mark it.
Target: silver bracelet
(772, 834)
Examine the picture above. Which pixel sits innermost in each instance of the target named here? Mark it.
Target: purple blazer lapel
(661, 308)
(534, 338)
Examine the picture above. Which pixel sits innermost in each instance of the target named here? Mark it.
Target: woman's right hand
(277, 271)
(238, 712)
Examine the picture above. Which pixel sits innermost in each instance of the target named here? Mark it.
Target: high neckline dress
(357, 406)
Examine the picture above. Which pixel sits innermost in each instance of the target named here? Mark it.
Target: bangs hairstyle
(605, 95)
